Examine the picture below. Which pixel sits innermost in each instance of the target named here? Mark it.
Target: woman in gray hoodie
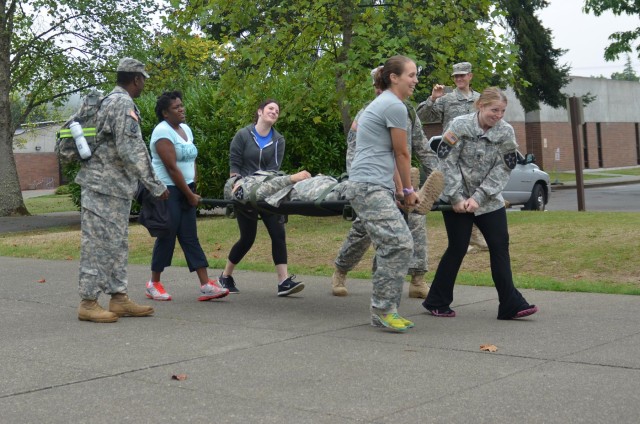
(259, 147)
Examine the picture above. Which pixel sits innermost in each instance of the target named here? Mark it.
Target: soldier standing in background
(358, 242)
(441, 107)
(109, 181)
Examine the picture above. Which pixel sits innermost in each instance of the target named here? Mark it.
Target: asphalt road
(620, 198)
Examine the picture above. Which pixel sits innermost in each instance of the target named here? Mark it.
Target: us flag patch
(451, 137)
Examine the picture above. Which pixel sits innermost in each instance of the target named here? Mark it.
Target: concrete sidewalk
(309, 358)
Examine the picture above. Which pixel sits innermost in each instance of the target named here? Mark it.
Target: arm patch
(443, 150)
(510, 159)
(449, 139)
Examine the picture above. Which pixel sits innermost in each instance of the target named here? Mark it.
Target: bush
(63, 190)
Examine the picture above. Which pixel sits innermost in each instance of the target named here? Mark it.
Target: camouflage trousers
(104, 245)
(386, 228)
(358, 242)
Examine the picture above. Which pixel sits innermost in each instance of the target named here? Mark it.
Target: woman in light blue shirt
(173, 156)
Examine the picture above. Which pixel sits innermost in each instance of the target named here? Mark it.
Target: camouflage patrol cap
(128, 64)
(461, 68)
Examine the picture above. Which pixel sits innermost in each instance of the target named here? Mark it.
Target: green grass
(49, 203)
(566, 177)
(570, 177)
(627, 171)
(560, 251)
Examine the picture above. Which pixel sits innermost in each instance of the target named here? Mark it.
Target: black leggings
(493, 226)
(248, 225)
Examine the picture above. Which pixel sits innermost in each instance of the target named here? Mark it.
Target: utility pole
(575, 113)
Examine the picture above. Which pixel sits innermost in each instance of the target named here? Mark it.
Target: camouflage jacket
(475, 163)
(447, 107)
(121, 158)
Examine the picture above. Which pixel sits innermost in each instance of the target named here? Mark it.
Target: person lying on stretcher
(275, 188)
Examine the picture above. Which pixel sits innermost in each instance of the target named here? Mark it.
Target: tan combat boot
(121, 305)
(415, 177)
(337, 283)
(90, 310)
(477, 242)
(418, 287)
(429, 193)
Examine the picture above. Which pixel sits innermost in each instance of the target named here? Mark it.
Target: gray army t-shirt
(374, 161)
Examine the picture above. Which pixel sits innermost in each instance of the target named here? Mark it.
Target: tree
(542, 76)
(627, 74)
(324, 49)
(621, 41)
(51, 49)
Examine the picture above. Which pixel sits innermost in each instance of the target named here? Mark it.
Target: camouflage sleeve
(431, 112)
(452, 192)
(351, 140)
(351, 146)
(131, 148)
(420, 147)
(498, 176)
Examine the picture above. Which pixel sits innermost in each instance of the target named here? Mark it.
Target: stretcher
(325, 208)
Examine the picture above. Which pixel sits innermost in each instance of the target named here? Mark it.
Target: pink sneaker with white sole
(155, 290)
(211, 291)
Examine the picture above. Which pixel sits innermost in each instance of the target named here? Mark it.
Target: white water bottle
(81, 142)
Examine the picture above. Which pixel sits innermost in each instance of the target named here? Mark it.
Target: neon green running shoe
(407, 323)
(392, 321)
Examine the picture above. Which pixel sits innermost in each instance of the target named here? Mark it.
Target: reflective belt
(66, 133)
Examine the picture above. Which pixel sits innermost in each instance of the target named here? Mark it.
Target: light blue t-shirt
(374, 161)
(186, 152)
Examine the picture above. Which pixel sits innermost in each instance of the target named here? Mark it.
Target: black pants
(493, 226)
(248, 225)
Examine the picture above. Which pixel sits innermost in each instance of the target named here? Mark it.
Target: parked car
(528, 185)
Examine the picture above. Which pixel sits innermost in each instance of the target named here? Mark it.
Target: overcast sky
(586, 36)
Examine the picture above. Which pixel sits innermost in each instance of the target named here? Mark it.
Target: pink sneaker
(156, 291)
(532, 309)
(212, 290)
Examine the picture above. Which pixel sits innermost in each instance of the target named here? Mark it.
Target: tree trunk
(346, 10)
(11, 202)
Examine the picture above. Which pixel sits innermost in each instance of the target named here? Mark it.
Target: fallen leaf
(179, 377)
(69, 258)
(488, 348)
(42, 280)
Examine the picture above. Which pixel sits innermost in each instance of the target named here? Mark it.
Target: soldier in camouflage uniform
(275, 187)
(357, 241)
(441, 107)
(109, 180)
(477, 153)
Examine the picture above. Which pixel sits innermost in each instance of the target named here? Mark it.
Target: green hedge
(214, 118)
